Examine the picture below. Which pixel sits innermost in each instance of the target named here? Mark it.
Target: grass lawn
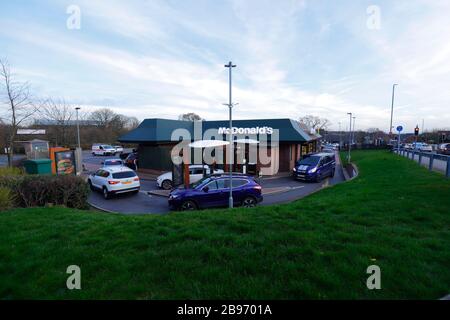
(395, 215)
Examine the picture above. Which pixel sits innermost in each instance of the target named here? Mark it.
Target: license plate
(126, 182)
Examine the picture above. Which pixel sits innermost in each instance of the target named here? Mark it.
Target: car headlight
(295, 169)
(313, 170)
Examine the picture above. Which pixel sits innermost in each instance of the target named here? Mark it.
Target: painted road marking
(285, 189)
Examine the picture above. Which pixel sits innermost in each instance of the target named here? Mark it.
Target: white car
(408, 146)
(424, 147)
(164, 181)
(103, 150)
(114, 180)
(119, 149)
(112, 162)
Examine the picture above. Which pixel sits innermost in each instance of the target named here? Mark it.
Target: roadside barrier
(442, 164)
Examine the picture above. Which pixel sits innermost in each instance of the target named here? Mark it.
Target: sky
(293, 57)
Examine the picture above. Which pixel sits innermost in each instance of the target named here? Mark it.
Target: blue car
(213, 191)
(315, 167)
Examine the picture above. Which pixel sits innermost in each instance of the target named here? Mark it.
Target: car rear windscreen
(123, 175)
(113, 163)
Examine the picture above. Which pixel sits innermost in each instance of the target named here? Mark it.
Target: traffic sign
(399, 128)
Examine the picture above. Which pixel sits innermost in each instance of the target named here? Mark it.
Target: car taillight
(136, 179)
(113, 182)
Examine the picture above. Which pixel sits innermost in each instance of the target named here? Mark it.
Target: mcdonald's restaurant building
(286, 141)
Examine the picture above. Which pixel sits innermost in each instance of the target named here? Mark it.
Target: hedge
(45, 190)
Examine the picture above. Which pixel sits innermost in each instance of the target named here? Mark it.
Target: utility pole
(349, 137)
(340, 136)
(78, 151)
(353, 130)
(78, 127)
(423, 129)
(392, 107)
(230, 66)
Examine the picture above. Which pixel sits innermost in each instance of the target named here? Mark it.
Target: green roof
(160, 130)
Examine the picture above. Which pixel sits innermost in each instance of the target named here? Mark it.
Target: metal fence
(433, 161)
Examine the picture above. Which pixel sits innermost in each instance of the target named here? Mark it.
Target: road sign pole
(399, 129)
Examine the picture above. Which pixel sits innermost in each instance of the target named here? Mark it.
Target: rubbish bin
(38, 166)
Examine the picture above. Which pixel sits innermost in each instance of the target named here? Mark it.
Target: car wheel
(249, 202)
(135, 192)
(90, 185)
(106, 194)
(166, 184)
(188, 205)
(93, 154)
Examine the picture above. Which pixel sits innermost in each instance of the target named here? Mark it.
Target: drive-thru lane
(285, 189)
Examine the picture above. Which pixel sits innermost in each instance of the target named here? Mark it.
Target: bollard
(420, 159)
(430, 166)
(448, 168)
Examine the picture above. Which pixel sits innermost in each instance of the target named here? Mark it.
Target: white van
(103, 150)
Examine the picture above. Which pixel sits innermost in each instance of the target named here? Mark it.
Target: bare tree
(17, 105)
(191, 116)
(132, 123)
(103, 117)
(314, 122)
(118, 123)
(60, 114)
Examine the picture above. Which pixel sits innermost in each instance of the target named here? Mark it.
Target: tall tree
(103, 117)
(190, 116)
(61, 114)
(132, 123)
(315, 122)
(17, 106)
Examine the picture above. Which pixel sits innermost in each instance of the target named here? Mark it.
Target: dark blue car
(315, 167)
(213, 191)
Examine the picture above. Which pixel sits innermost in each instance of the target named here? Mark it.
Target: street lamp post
(353, 130)
(340, 136)
(392, 107)
(349, 137)
(230, 66)
(78, 127)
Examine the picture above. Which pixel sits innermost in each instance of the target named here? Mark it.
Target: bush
(43, 190)
(10, 171)
(6, 199)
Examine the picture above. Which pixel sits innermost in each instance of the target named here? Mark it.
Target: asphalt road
(93, 162)
(143, 203)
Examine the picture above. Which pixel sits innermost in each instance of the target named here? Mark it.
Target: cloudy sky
(163, 58)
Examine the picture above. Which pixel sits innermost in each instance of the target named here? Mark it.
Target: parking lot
(276, 189)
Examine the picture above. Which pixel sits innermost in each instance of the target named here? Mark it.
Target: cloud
(294, 58)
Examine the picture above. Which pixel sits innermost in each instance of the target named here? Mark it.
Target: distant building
(49, 122)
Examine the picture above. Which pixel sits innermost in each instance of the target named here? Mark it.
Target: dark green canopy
(160, 130)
